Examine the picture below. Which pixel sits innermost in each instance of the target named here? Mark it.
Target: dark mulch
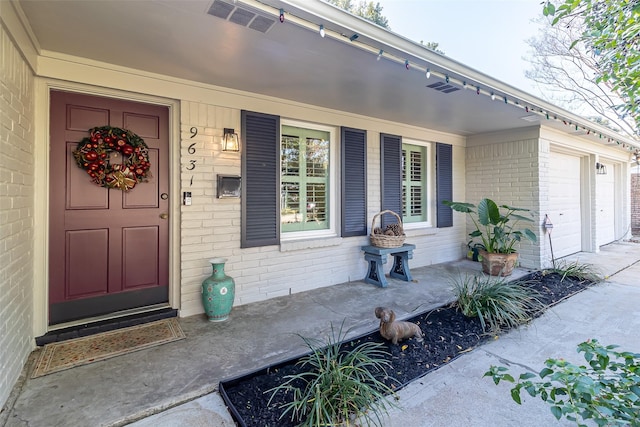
(448, 334)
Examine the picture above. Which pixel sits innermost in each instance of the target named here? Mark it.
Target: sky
(486, 35)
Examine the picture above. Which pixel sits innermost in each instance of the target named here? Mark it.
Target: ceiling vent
(241, 16)
(531, 118)
(443, 87)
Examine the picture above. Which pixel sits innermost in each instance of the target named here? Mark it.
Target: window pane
(316, 202)
(416, 200)
(290, 155)
(290, 204)
(404, 164)
(317, 157)
(414, 183)
(404, 201)
(416, 166)
(305, 179)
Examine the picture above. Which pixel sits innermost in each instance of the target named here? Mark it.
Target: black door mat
(87, 329)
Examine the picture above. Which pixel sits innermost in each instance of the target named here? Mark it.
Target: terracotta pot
(495, 264)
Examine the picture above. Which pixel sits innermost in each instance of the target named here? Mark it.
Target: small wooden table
(376, 256)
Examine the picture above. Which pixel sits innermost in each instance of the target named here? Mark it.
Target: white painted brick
(292, 267)
(16, 213)
(507, 172)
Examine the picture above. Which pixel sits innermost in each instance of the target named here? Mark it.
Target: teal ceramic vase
(218, 292)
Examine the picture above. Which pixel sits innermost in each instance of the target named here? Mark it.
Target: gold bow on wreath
(92, 155)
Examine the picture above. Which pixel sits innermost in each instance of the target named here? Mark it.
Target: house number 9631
(192, 150)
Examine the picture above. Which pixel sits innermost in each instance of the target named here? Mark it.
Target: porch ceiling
(179, 38)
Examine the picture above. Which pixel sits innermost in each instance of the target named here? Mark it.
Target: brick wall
(211, 226)
(635, 204)
(16, 213)
(507, 173)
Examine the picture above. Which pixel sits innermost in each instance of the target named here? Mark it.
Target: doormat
(59, 356)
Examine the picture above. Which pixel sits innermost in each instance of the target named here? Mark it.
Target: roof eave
(415, 52)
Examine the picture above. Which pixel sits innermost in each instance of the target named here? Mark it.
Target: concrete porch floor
(181, 378)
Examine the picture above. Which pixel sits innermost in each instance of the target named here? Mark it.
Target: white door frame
(43, 87)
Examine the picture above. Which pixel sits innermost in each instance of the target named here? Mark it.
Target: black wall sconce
(601, 169)
(230, 140)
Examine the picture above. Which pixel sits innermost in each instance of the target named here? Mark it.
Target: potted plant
(498, 231)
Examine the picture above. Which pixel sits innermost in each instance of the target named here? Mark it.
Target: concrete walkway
(175, 384)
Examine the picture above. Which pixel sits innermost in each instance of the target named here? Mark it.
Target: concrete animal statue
(399, 330)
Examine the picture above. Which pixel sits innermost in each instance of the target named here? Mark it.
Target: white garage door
(605, 205)
(564, 198)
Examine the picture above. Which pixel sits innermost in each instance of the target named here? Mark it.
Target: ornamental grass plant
(498, 303)
(337, 387)
(585, 272)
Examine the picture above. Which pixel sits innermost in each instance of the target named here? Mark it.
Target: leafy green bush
(498, 303)
(498, 230)
(606, 392)
(338, 386)
(585, 272)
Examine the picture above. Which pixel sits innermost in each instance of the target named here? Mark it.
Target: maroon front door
(108, 249)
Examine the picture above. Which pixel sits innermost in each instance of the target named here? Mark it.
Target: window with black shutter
(407, 180)
(444, 184)
(391, 176)
(260, 175)
(415, 181)
(354, 182)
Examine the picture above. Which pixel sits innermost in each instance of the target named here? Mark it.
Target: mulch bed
(448, 334)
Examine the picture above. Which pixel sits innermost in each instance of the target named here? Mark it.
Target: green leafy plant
(611, 31)
(583, 272)
(607, 391)
(338, 385)
(498, 230)
(499, 304)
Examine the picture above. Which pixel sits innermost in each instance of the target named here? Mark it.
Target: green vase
(218, 292)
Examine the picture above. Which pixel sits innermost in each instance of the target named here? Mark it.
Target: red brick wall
(635, 204)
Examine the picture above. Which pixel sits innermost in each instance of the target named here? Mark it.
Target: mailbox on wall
(228, 186)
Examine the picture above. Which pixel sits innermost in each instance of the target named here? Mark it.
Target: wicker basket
(382, 240)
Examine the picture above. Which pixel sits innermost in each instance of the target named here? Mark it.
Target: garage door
(564, 198)
(605, 206)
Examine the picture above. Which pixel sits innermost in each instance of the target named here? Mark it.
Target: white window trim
(334, 167)
(430, 187)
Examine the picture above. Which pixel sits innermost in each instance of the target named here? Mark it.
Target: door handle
(164, 215)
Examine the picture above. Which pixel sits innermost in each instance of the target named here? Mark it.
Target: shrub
(338, 385)
(583, 272)
(499, 231)
(498, 303)
(607, 391)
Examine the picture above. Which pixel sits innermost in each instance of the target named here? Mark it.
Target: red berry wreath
(93, 155)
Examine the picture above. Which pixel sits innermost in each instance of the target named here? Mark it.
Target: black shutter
(354, 182)
(444, 184)
(391, 176)
(260, 177)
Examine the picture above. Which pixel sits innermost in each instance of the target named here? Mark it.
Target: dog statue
(395, 331)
